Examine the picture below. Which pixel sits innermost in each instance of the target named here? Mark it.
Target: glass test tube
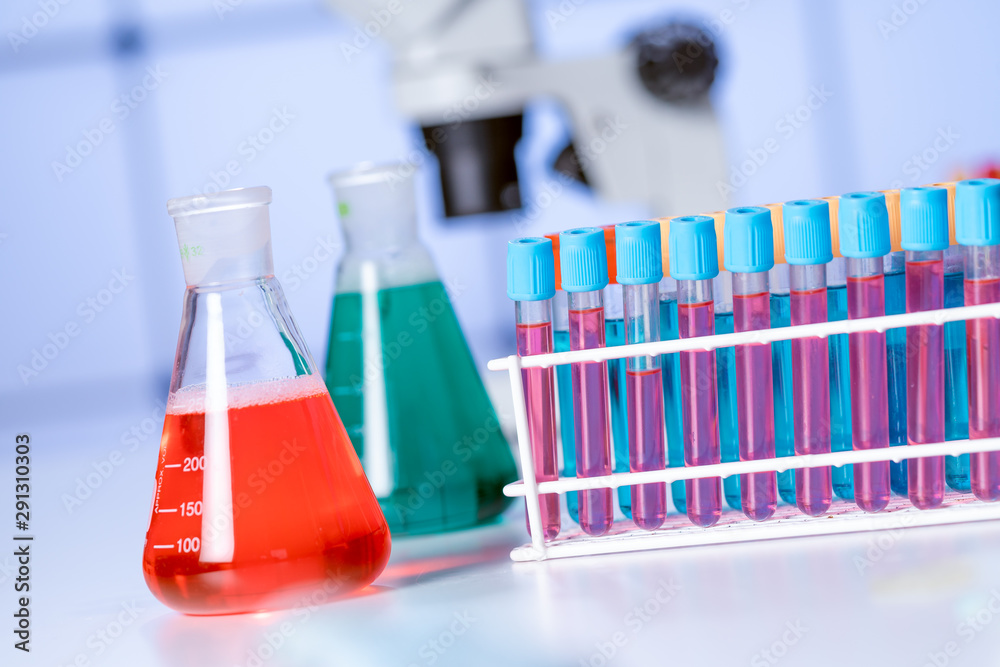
(956, 383)
(894, 271)
(781, 365)
(869, 399)
(590, 409)
(645, 405)
(841, 434)
(925, 375)
(564, 391)
(693, 264)
(671, 374)
(534, 336)
(751, 312)
(614, 324)
(639, 260)
(982, 285)
(725, 364)
(699, 400)
(811, 385)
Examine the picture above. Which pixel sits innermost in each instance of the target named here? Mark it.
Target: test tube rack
(677, 531)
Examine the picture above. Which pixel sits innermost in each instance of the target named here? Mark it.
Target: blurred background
(113, 106)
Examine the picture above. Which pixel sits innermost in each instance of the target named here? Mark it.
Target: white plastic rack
(788, 521)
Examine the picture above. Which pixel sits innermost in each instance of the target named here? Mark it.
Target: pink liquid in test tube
(754, 390)
(539, 397)
(869, 395)
(590, 411)
(646, 452)
(925, 376)
(811, 388)
(699, 405)
(983, 349)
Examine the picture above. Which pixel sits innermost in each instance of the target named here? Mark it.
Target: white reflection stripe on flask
(217, 540)
(377, 457)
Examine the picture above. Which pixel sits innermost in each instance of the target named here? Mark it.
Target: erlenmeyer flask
(260, 499)
(400, 372)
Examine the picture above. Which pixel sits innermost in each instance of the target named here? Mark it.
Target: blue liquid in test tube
(725, 360)
(614, 327)
(671, 364)
(841, 439)
(781, 369)
(956, 388)
(564, 391)
(895, 340)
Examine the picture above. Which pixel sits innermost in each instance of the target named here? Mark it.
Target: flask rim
(236, 198)
(369, 173)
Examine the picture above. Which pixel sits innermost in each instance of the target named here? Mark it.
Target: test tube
(694, 261)
(614, 326)
(808, 249)
(894, 271)
(924, 220)
(977, 227)
(564, 392)
(956, 383)
(864, 240)
(749, 255)
(725, 366)
(781, 372)
(640, 268)
(671, 366)
(531, 285)
(841, 435)
(584, 266)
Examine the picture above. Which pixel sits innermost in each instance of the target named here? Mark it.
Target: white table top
(457, 599)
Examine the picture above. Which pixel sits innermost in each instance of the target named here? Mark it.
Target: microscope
(642, 126)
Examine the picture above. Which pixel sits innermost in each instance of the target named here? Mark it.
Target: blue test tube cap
(977, 211)
(923, 216)
(583, 260)
(806, 224)
(748, 244)
(864, 225)
(638, 256)
(694, 253)
(531, 270)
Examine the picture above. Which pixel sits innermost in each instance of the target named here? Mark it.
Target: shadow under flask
(260, 498)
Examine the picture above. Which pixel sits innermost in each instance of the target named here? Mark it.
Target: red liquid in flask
(298, 515)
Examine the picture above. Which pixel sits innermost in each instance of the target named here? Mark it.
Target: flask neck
(224, 238)
(377, 209)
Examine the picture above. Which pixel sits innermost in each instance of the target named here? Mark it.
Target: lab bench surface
(905, 597)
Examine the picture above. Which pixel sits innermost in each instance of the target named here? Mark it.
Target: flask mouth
(371, 173)
(376, 205)
(219, 201)
(224, 237)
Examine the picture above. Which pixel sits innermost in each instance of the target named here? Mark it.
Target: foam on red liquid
(925, 381)
(869, 396)
(754, 391)
(811, 387)
(983, 349)
(304, 519)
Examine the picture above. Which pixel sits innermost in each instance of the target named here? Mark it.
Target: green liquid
(451, 460)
